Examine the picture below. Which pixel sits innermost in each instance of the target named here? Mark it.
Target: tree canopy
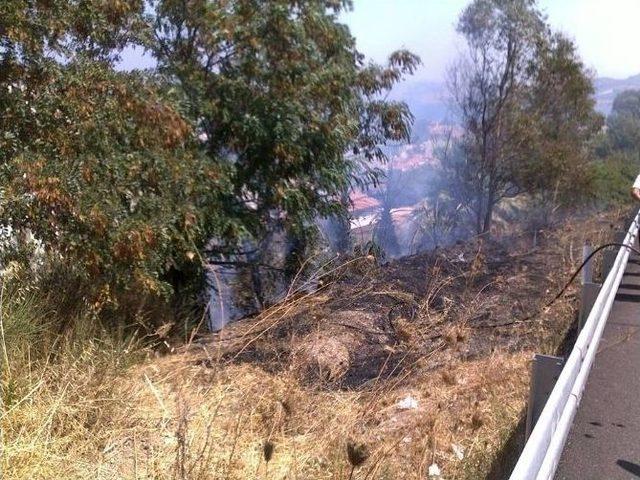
(523, 97)
(624, 121)
(281, 95)
(257, 112)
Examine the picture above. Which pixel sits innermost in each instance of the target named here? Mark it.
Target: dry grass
(218, 419)
(59, 409)
(313, 389)
(172, 419)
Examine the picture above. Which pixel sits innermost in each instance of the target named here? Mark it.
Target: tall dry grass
(59, 397)
(84, 402)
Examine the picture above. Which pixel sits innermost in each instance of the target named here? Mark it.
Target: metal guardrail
(541, 454)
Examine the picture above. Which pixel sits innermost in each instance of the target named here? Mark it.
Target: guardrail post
(545, 370)
(610, 255)
(588, 297)
(590, 289)
(587, 271)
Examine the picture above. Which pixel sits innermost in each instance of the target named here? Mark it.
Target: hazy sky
(607, 32)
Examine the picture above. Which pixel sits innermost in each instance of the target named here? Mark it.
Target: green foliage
(487, 87)
(101, 169)
(618, 151)
(259, 113)
(93, 163)
(281, 94)
(524, 99)
(100, 29)
(613, 176)
(627, 103)
(562, 122)
(624, 121)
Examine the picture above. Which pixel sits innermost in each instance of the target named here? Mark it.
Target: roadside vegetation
(121, 191)
(420, 362)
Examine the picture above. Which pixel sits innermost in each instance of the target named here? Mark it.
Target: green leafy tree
(285, 102)
(523, 97)
(98, 165)
(384, 233)
(624, 122)
(618, 150)
(260, 114)
(613, 176)
(561, 121)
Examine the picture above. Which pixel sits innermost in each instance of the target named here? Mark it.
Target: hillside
(415, 165)
(245, 257)
(424, 362)
(428, 99)
(608, 88)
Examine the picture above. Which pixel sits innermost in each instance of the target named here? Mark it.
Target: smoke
(418, 205)
(415, 208)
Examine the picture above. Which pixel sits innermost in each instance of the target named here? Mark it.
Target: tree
(281, 94)
(561, 120)
(618, 150)
(436, 221)
(624, 121)
(384, 233)
(129, 178)
(523, 99)
(99, 166)
(485, 86)
(338, 228)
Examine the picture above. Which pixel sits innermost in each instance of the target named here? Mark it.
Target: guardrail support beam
(589, 290)
(587, 271)
(545, 370)
(610, 255)
(588, 296)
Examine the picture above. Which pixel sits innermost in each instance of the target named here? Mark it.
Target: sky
(607, 32)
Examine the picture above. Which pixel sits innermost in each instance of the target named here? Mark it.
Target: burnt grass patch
(369, 323)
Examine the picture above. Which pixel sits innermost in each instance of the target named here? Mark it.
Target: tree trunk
(479, 213)
(488, 214)
(256, 284)
(488, 217)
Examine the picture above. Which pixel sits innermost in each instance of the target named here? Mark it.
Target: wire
(566, 286)
(584, 263)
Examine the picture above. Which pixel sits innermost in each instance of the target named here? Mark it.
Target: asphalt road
(604, 441)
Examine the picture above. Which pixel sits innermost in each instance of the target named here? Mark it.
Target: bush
(613, 177)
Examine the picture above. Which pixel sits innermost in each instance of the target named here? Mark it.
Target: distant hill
(608, 88)
(428, 99)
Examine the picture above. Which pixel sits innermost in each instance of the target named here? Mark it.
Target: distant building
(364, 214)
(366, 210)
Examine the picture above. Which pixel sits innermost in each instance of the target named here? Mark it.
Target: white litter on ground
(458, 451)
(408, 403)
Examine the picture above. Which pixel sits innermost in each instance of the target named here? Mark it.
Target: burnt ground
(424, 361)
(368, 322)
